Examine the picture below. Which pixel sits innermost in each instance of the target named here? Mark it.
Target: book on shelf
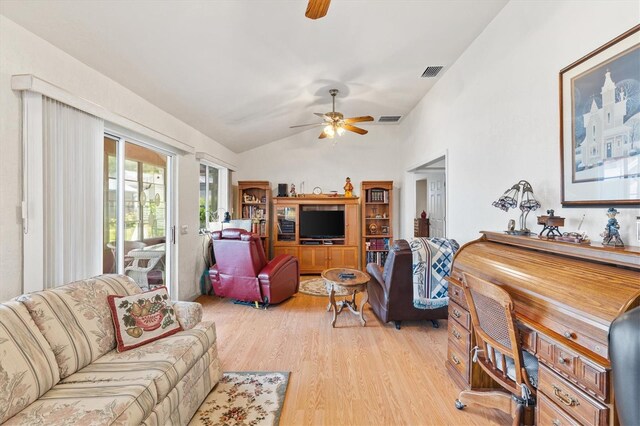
(378, 196)
(377, 257)
(377, 244)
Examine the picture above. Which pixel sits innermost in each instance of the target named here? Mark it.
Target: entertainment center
(321, 231)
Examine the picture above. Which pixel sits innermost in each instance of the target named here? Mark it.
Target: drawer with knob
(455, 291)
(459, 314)
(571, 400)
(565, 360)
(459, 360)
(459, 336)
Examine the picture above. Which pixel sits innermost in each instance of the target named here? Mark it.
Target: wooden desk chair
(498, 344)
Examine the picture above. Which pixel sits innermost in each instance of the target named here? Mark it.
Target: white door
(436, 205)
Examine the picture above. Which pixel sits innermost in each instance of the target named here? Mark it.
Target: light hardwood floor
(348, 375)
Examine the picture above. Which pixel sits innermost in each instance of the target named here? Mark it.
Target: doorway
(430, 194)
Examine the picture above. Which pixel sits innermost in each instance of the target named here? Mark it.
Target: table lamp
(527, 203)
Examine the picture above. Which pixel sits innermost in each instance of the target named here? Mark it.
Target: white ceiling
(243, 71)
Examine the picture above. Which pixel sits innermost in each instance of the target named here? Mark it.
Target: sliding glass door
(138, 235)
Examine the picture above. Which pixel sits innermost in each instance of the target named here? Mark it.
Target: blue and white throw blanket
(432, 259)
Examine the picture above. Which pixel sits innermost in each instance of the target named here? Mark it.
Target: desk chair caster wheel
(435, 324)
(459, 404)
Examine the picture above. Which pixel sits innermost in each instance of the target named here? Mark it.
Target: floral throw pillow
(142, 318)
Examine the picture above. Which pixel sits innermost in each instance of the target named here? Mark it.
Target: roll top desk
(566, 296)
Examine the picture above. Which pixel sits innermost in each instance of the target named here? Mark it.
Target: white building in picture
(607, 137)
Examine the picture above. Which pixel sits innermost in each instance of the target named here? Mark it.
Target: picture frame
(384, 230)
(600, 125)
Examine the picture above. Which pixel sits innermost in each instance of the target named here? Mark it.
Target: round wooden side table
(353, 281)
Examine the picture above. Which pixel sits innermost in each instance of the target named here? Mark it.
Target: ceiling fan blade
(317, 8)
(323, 116)
(355, 129)
(304, 125)
(358, 119)
(322, 135)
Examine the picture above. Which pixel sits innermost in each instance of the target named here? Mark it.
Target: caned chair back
(497, 336)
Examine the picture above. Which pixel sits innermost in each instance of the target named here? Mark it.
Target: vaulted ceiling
(243, 71)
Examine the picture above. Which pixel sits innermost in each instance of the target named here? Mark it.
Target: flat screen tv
(322, 224)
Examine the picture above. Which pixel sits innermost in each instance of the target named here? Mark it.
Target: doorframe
(412, 174)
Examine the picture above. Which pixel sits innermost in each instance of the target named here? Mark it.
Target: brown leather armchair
(391, 289)
(242, 271)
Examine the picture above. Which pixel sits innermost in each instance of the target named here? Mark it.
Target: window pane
(145, 212)
(213, 189)
(203, 196)
(209, 177)
(109, 198)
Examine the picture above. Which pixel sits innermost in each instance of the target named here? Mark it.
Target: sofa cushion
(142, 318)
(184, 399)
(189, 314)
(122, 403)
(164, 361)
(28, 366)
(76, 319)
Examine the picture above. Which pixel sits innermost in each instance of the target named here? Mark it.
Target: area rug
(316, 287)
(247, 398)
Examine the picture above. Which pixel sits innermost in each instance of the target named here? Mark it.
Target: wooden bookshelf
(254, 200)
(377, 219)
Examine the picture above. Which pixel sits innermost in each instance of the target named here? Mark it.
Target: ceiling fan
(317, 8)
(335, 123)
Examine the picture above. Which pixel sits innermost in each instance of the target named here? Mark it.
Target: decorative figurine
(611, 234)
(551, 224)
(292, 191)
(348, 188)
(423, 215)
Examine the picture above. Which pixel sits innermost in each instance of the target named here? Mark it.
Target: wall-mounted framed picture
(600, 125)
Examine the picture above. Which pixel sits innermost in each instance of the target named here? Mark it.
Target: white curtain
(72, 182)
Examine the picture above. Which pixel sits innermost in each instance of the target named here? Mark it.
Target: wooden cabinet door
(343, 257)
(293, 251)
(351, 225)
(313, 258)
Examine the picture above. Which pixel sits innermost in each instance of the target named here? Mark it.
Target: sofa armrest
(188, 313)
(375, 271)
(274, 266)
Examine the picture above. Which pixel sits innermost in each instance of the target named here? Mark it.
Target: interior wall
(495, 112)
(421, 196)
(22, 52)
(321, 162)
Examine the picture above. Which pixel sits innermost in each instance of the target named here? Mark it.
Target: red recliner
(242, 272)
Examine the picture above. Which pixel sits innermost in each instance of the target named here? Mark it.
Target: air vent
(389, 118)
(432, 71)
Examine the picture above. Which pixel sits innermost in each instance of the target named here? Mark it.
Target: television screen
(322, 224)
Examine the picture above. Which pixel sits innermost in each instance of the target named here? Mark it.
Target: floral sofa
(58, 365)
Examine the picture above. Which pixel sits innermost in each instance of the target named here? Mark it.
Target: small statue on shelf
(292, 191)
(611, 234)
(348, 188)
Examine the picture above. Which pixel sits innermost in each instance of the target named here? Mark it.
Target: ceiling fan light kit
(335, 123)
